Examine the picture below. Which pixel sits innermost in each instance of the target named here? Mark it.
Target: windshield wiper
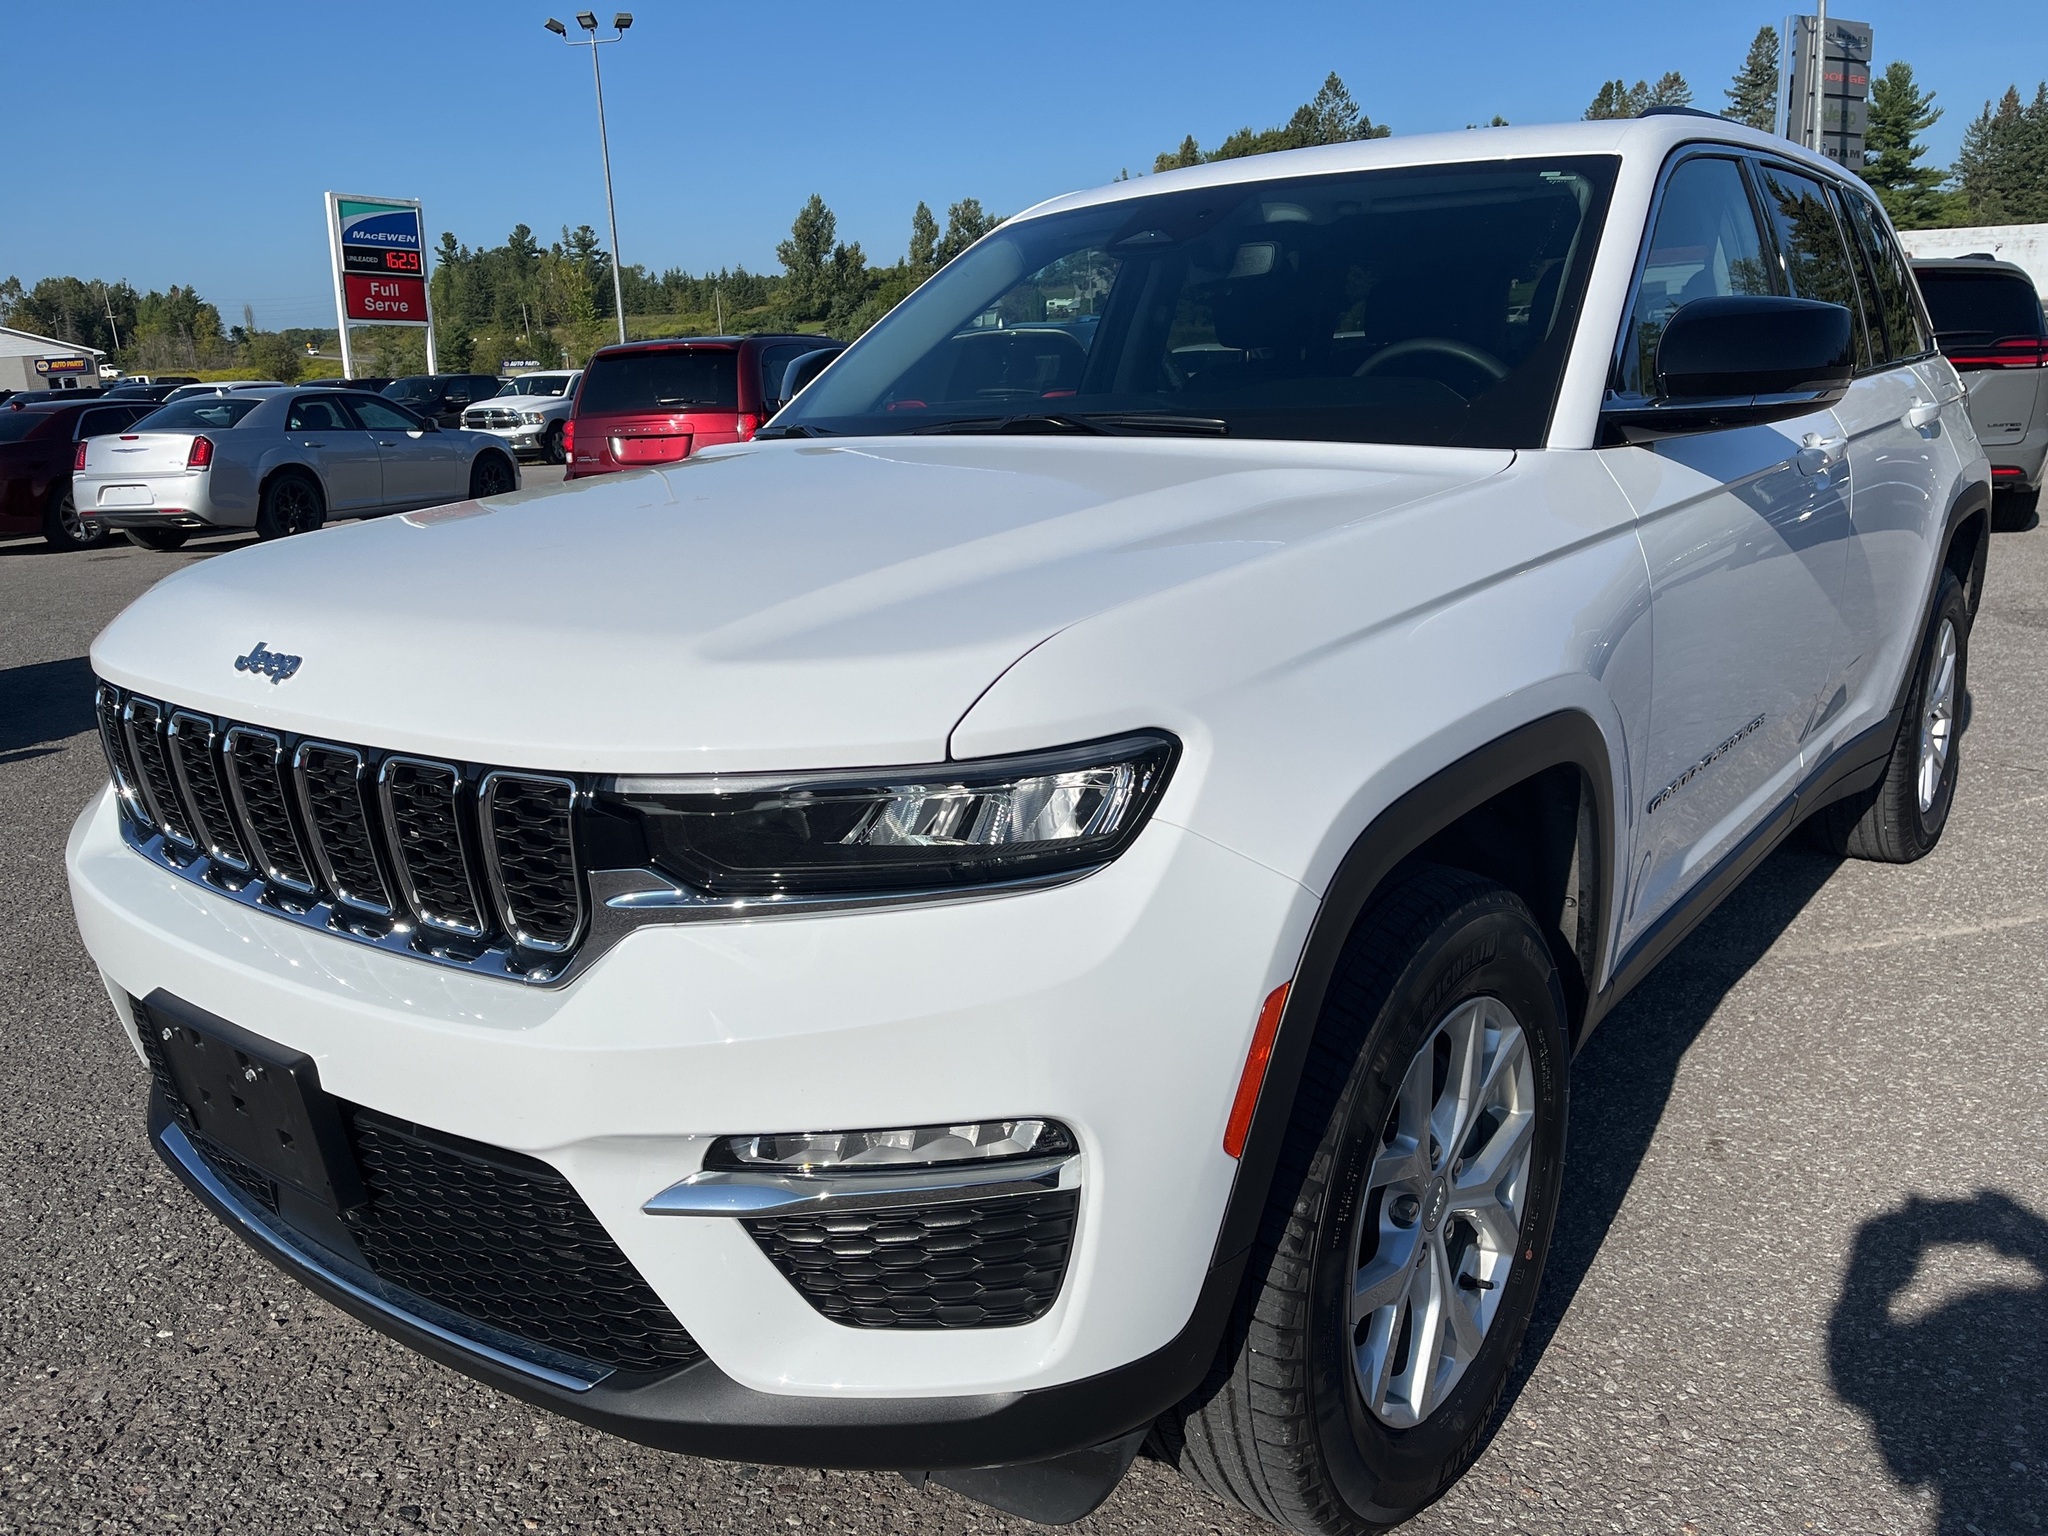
(681, 400)
(1092, 423)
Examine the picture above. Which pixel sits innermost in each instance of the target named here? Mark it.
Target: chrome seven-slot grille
(466, 865)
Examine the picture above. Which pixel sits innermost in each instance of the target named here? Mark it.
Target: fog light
(809, 1154)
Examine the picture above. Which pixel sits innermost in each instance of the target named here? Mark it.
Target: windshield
(1418, 305)
(201, 412)
(538, 384)
(675, 378)
(1979, 306)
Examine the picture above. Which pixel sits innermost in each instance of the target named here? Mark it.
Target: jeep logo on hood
(272, 664)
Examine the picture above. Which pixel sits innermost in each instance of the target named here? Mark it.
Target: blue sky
(212, 130)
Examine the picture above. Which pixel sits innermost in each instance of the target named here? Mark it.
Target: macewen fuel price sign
(380, 257)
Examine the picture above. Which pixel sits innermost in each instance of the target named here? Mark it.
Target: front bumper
(1121, 1005)
(521, 439)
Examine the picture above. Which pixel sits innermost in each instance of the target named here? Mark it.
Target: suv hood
(525, 402)
(777, 605)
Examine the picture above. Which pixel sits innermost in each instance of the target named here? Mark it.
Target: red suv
(654, 402)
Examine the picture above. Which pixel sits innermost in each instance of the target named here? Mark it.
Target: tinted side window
(316, 414)
(1904, 324)
(383, 416)
(1705, 244)
(775, 361)
(1810, 242)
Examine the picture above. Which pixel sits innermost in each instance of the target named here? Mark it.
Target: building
(32, 362)
(2024, 245)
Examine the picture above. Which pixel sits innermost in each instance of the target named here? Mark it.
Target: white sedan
(280, 461)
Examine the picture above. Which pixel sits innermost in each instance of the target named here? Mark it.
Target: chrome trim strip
(747, 1192)
(174, 736)
(665, 901)
(260, 856)
(554, 1367)
(181, 839)
(396, 839)
(380, 905)
(112, 736)
(487, 794)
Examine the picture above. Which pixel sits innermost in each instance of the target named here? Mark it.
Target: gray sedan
(280, 461)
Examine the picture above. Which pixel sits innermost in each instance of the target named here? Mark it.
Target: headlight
(938, 825)
(531, 418)
(808, 1154)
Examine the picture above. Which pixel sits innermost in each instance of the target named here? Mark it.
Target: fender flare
(1568, 738)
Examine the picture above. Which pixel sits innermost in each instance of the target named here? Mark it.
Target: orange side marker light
(1255, 1060)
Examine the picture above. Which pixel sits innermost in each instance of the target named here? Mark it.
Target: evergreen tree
(965, 224)
(2003, 169)
(1617, 99)
(1753, 95)
(923, 259)
(806, 258)
(1333, 116)
(1899, 113)
(1669, 91)
(1189, 153)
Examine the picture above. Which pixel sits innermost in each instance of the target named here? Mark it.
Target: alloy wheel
(1442, 1212)
(1938, 716)
(296, 506)
(79, 530)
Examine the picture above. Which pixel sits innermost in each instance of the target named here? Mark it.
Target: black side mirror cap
(1739, 360)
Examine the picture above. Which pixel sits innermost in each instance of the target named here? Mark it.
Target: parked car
(37, 446)
(655, 402)
(1987, 316)
(224, 387)
(368, 384)
(530, 414)
(1048, 900)
(149, 392)
(281, 462)
(441, 396)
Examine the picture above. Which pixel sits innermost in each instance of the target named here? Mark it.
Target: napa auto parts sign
(380, 271)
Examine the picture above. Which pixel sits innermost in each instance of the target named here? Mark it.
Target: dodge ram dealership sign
(380, 267)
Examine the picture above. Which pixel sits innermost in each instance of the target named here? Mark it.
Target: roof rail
(1681, 112)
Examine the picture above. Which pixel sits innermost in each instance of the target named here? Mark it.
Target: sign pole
(348, 368)
(427, 293)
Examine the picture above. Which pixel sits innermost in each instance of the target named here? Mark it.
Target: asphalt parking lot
(1801, 1280)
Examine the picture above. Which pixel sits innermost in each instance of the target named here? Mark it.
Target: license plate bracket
(257, 1099)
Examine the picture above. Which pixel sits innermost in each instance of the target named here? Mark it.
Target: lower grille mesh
(506, 1240)
(988, 1264)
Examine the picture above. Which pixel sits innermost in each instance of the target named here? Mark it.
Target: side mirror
(802, 370)
(1738, 361)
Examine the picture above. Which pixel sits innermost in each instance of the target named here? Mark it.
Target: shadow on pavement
(1955, 1394)
(43, 704)
(1623, 1078)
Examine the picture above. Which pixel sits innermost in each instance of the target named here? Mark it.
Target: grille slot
(985, 1264)
(330, 782)
(506, 1240)
(530, 853)
(145, 722)
(190, 739)
(114, 740)
(255, 761)
(423, 822)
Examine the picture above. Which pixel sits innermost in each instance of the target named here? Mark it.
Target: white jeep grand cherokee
(1050, 899)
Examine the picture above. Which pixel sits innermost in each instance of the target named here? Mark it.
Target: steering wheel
(1463, 351)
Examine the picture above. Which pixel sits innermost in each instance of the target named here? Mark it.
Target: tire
(64, 529)
(2015, 511)
(1283, 1426)
(292, 503)
(551, 450)
(1902, 817)
(490, 475)
(162, 540)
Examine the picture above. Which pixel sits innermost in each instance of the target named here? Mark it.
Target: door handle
(1817, 455)
(1922, 414)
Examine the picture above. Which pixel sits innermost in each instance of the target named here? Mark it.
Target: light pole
(587, 20)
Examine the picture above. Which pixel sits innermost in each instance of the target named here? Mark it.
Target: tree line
(553, 304)
(2000, 176)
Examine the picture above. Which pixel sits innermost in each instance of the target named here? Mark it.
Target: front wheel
(1902, 818)
(63, 528)
(291, 504)
(1404, 1236)
(491, 475)
(162, 540)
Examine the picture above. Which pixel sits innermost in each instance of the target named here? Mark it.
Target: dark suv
(39, 441)
(1988, 321)
(654, 402)
(443, 396)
